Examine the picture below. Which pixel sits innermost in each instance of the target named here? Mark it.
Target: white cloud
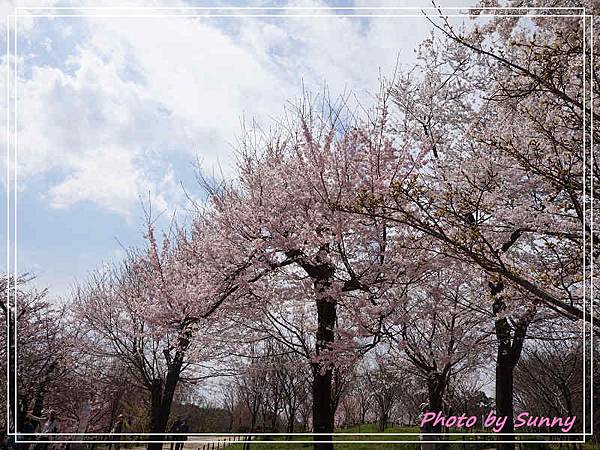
(94, 126)
(199, 74)
(179, 84)
(110, 178)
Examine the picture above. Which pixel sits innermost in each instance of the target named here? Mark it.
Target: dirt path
(212, 443)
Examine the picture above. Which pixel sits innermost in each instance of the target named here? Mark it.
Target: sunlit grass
(362, 442)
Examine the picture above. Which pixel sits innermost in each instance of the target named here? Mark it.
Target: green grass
(361, 442)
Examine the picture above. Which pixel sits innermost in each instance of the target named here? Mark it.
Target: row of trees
(265, 387)
(444, 225)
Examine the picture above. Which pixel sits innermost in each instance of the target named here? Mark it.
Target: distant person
(184, 428)
(28, 427)
(49, 425)
(175, 429)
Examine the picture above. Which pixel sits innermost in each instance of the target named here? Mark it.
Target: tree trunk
(436, 385)
(321, 271)
(291, 419)
(38, 404)
(363, 415)
(504, 398)
(158, 418)
(323, 414)
(22, 408)
(383, 420)
(161, 396)
(509, 346)
(162, 393)
(274, 420)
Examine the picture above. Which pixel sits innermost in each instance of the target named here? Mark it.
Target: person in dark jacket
(184, 428)
(48, 425)
(175, 429)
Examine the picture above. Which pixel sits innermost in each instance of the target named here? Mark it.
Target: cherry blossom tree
(549, 378)
(439, 333)
(91, 395)
(41, 342)
(282, 215)
(385, 385)
(451, 214)
(486, 157)
(487, 143)
(356, 404)
(156, 358)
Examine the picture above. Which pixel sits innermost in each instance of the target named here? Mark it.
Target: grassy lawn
(295, 443)
(360, 442)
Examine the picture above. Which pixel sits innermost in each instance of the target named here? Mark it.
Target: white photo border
(135, 12)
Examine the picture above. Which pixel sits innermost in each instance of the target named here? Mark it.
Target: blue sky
(115, 110)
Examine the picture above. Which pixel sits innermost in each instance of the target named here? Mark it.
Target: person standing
(175, 429)
(28, 427)
(49, 425)
(184, 428)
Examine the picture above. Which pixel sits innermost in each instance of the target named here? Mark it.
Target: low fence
(226, 441)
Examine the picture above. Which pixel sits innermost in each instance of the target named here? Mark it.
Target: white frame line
(301, 16)
(309, 8)
(15, 143)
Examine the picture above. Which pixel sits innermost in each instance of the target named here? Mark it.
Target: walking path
(212, 443)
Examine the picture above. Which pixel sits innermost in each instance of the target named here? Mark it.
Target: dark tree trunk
(170, 386)
(504, 383)
(158, 417)
(504, 374)
(436, 385)
(510, 341)
(38, 404)
(323, 414)
(274, 420)
(321, 271)
(291, 420)
(161, 396)
(383, 421)
(22, 408)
